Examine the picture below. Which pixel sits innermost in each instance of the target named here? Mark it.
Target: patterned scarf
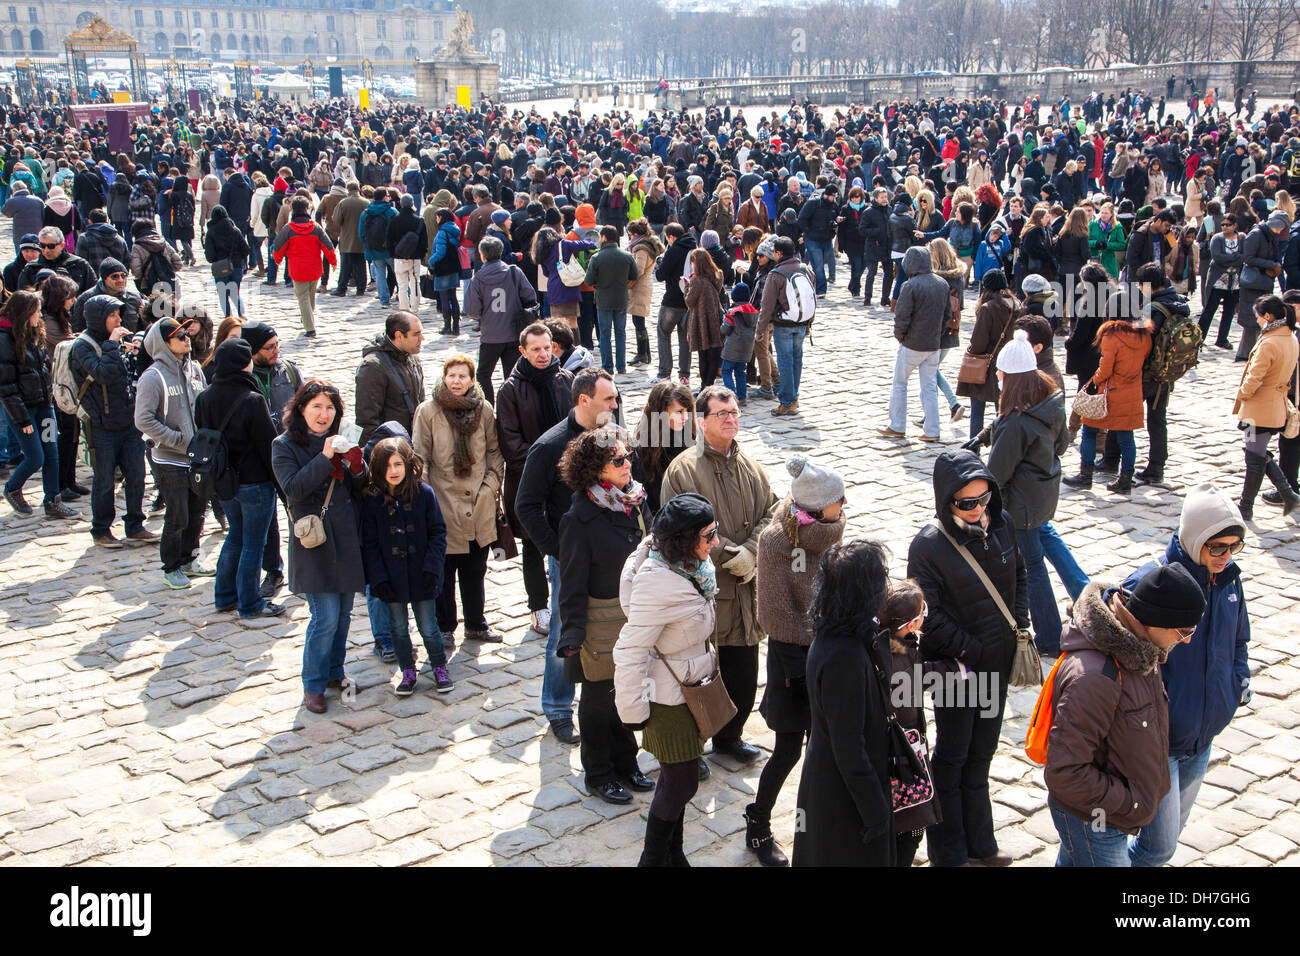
(1274, 324)
(463, 414)
(627, 500)
(702, 575)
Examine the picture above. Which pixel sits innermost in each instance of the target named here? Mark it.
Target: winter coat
(595, 543)
(405, 224)
(403, 544)
(389, 386)
(496, 295)
(236, 197)
(743, 504)
(346, 219)
(964, 623)
(101, 241)
(1260, 251)
(1224, 260)
(1072, 253)
(1140, 249)
(644, 251)
(756, 217)
(901, 227)
(704, 311)
(164, 401)
(924, 306)
(873, 226)
(557, 293)
(785, 585)
(303, 243)
(667, 618)
(990, 256)
(520, 412)
(1026, 460)
(225, 241)
(27, 212)
(1124, 348)
(384, 210)
(774, 300)
(25, 381)
(180, 214)
(1107, 245)
(108, 401)
(610, 271)
(1108, 748)
(671, 268)
(74, 267)
(444, 257)
(1269, 373)
(817, 219)
(468, 503)
(145, 248)
(738, 329)
(337, 566)
(844, 790)
(995, 316)
(250, 431)
(261, 196)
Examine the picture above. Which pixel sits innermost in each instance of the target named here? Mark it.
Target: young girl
(403, 540)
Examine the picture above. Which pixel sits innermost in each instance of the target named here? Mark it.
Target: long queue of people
(668, 559)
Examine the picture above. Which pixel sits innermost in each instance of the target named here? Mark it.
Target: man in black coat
(237, 198)
(55, 256)
(817, 219)
(874, 228)
(542, 500)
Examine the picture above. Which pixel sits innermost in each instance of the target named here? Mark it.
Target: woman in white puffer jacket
(667, 590)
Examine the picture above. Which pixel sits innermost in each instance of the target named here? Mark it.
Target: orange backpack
(1040, 724)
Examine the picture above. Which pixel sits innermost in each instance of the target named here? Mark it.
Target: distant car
(933, 73)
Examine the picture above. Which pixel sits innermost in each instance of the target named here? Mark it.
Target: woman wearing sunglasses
(965, 624)
(607, 520)
(1208, 677)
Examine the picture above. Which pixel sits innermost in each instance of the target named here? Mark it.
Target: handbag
(310, 529)
(1027, 665)
(911, 787)
(572, 273)
(708, 701)
(222, 268)
(504, 546)
(974, 366)
(427, 291)
(605, 619)
(1292, 427)
(1089, 404)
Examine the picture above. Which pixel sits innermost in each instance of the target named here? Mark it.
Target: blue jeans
(1156, 842)
(899, 278)
(40, 450)
(1082, 845)
(248, 516)
(789, 360)
(1043, 610)
(111, 450)
(557, 693)
(13, 449)
(1088, 447)
(254, 244)
(733, 376)
(976, 416)
(381, 624)
(942, 382)
(229, 295)
(927, 365)
(615, 319)
(327, 640)
(857, 262)
(426, 619)
(1059, 556)
(379, 272)
(820, 256)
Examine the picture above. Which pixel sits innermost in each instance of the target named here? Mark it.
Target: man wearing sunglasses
(164, 414)
(114, 280)
(1208, 678)
(55, 256)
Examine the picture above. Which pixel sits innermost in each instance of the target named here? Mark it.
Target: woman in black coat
(965, 625)
(607, 520)
(844, 791)
(1082, 355)
(225, 241)
(1036, 253)
(181, 211)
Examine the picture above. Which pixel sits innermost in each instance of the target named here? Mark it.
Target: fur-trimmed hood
(1094, 625)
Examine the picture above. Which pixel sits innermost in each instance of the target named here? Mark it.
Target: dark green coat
(1026, 460)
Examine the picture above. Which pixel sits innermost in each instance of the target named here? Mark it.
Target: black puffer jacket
(1026, 460)
(24, 380)
(817, 217)
(108, 399)
(964, 622)
(901, 227)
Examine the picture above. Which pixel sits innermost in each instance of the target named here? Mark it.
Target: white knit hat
(1018, 355)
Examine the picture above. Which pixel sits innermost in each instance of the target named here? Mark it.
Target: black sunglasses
(1219, 550)
(970, 504)
(618, 461)
(116, 275)
(50, 245)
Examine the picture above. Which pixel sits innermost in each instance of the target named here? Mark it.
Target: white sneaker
(542, 621)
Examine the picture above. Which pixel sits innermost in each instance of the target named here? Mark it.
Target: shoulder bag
(310, 529)
(401, 383)
(222, 268)
(707, 700)
(975, 367)
(1026, 666)
(911, 787)
(1292, 427)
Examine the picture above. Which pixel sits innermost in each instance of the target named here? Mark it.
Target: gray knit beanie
(813, 487)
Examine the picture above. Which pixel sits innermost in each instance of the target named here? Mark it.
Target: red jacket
(303, 241)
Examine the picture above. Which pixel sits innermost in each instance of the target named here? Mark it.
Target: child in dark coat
(403, 544)
(738, 327)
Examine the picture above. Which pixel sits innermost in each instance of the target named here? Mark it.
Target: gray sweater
(923, 304)
(164, 401)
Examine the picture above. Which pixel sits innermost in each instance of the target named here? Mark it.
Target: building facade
(380, 30)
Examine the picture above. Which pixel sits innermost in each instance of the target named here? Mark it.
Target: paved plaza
(141, 727)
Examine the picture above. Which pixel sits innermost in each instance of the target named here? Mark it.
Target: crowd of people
(669, 559)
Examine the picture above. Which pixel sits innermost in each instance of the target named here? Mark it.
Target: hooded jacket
(407, 235)
(26, 211)
(143, 249)
(901, 226)
(164, 401)
(386, 211)
(1206, 678)
(101, 241)
(497, 294)
(250, 432)
(1109, 743)
(1025, 460)
(74, 267)
(130, 299)
(107, 400)
(303, 242)
(964, 622)
(924, 305)
(774, 301)
(403, 544)
(237, 197)
(24, 380)
(670, 269)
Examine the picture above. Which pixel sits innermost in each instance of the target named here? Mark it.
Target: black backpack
(211, 475)
(376, 234)
(407, 246)
(158, 270)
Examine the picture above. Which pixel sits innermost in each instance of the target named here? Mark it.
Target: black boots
(676, 856)
(1290, 500)
(1123, 484)
(642, 348)
(758, 837)
(1083, 480)
(659, 837)
(1255, 465)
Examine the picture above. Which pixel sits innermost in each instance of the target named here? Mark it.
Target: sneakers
(268, 610)
(67, 494)
(18, 502)
(487, 636)
(196, 570)
(442, 680)
(141, 536)
(106, 540)
(176, 580)
(157, 505)
(958, 412)
(57, 509)
(541, 619)
(271, 584)
(407, 687)
(762, 393)
(384, 651)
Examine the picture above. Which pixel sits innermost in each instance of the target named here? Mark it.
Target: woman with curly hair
(988, 203)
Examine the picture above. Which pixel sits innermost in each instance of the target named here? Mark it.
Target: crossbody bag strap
(681, 683)
(406, 396)
(984, 578)
(328, 495)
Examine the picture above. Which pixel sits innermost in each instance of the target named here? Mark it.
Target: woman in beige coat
(667, 590)
(455, 433)
(209, 196)
(645, 247)
(1261, 405)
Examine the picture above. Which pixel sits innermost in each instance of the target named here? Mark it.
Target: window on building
(31, 15)
(230, 19)
(157, 18)
(180, 18)
(139, 18)
(437, 29)
(243, 21)
(329, 23)
(408, 29)
(13, 14)
(216, 19)
(381, 28)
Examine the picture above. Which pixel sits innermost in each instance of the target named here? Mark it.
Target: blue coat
(404, 545)
(1205, 678)
(988, 256)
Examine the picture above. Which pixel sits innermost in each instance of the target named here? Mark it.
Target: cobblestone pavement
(141, 727)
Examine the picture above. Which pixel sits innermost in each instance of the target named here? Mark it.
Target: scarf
(1275, 324)
(543, 382)
(702, 576)
(627, 500)
(463, 413)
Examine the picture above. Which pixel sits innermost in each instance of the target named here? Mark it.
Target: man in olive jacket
(344, 221)
(390, 378)
(743, 503)
(612, 271)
